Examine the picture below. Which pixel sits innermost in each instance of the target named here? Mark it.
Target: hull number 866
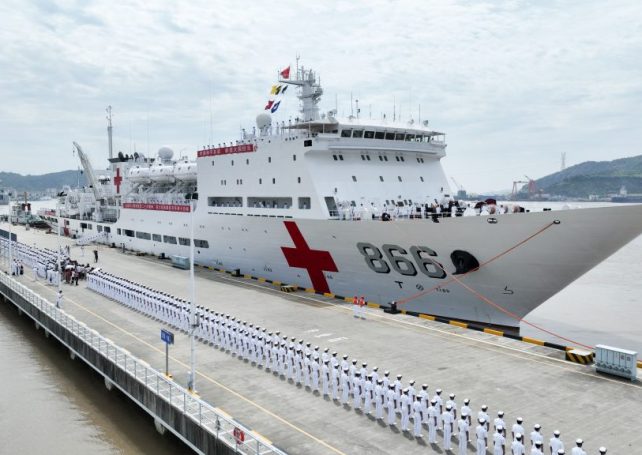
(395, 257)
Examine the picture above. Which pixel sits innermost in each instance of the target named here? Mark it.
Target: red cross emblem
(117, 180)
(314, 261)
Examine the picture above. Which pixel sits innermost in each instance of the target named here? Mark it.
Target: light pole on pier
(10, 240)
(59, 246)
(192, 305)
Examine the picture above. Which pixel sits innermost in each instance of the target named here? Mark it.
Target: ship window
(143, 235)
(387, 202)
(269, 159)
(304, 203)
(108, 229)
(346, 133)
(385, 158)
(232, 162)
(397, 158)
(201, 243)
(357, 133)
(421, 178)
(410, 137)
(212, 162)
(390, 136)
(247, 161)
(381, 178)
(118, 231)
(298, 179)
(402, 158)
(368, 157)
(260, 181)
(225, 201)
(169, 239)
(267, 202)
(183, 241)
(340, 157)
(399, 177)
(363, 157)
(380, 158)
(273, 181)
(354, 178)
(129, 233)
(100, 228)
(157, 238)
(368, 134)
(399, 137)
(293, 157)
(335, 157)
(307, 143)
(380, 135)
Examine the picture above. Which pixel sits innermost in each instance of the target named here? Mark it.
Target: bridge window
(304, 203)
(346, 133)
(421, 178)
(354, 178)
(335, 157)
(307, 143)
(201, 243)
(390, 136)
(273, 181)
(183, 241)
(399, 177)
(402, 158)
(129, 233)
(232, 162)
(368, 134)
(380, 135)
(143, 235)
(385, 158)
(269, 159)
(247, 161)
(157, 238)
(363, 157)
(410, 137)
(293, 157)
(298, 179)
(380, 158)
(381, 178)
(399, 137)
(340, 157)
(397, 158)
(169, 239)
(260, 181)
(357, 133)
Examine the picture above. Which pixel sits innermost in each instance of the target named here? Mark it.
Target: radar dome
(263, 121)
(165, 153)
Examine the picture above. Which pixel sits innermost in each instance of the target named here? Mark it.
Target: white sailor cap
(520, 420)
(481, 420)
(364, 364)
(518, 436)
(537, 427)
(345, 356)
(484, 407)
(579, 442)
(466, 401)
(411, 382)
(399, 376)
(452, 395)
(602, 450)
(438, 391)
(560, 452)
(556, 433)
(449, 406)
(500, 427)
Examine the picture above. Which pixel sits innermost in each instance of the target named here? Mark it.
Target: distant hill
(595, 177)
(40, 182)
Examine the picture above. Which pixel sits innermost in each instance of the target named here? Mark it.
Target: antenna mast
(109, 132)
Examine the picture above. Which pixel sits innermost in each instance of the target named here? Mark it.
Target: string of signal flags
(276, 91)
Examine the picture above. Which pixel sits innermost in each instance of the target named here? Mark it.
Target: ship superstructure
(307, 202)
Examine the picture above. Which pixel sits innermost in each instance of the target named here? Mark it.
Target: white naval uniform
(498, 444)
(578, 451)
(405, 414)
(481, 434)
(392, 415)
(432, 424)
(517, 448)
(378, 392)
(325, 378)
(556, 444)
(367, 396)
(447, 419)
(462, 426)
(416, 418)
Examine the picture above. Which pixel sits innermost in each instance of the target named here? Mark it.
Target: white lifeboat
(163, 173)
(185, 171)
(139, 174)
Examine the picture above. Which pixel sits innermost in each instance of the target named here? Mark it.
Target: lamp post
(10, 241)
(59, 260)
(192, 305)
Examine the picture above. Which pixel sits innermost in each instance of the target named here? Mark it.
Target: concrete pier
(526, 380)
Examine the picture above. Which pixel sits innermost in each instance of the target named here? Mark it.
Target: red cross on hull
(314, 261)
(117, 180)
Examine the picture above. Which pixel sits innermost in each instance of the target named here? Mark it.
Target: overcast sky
(513, 83)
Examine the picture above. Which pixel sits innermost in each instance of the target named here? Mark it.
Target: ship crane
(461, 191)
(532, 186)
(89, 173)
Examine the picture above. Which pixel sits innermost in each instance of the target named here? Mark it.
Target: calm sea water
(73, 412)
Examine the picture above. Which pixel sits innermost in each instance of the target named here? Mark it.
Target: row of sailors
(43, 262)
(342, 380)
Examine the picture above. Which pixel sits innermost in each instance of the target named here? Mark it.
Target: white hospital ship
(307, 203)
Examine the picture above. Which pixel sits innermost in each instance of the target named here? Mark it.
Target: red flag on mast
(269, 105)
(285, 74)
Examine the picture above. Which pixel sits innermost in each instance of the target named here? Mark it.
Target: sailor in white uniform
(517, 448)
(439, 406)
(345, 386)
(536, 435)
(357, 390)
(577, 450)
(448, 422)
(325, 377)
(462, 432)
(453, 406)
(432, 422)
(518, 428)
(368, 394)
(405, 409)
(555, 443)
(398, 387)
(481, 434)
(499, 441)
(465, 409)
(537, 448)
(417, 417)
(499, 422)
(336, 376)
(391, 405)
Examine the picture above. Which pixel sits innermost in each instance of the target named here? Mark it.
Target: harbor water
(72, 412)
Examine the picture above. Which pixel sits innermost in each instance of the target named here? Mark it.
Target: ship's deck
(521, 379)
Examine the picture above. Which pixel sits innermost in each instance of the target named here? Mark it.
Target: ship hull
(524, 258)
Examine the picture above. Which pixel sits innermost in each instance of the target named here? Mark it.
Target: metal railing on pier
(231, 433)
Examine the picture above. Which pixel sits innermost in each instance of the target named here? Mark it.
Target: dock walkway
(521, 379)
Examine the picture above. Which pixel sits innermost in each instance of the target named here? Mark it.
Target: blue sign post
(168, 338)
